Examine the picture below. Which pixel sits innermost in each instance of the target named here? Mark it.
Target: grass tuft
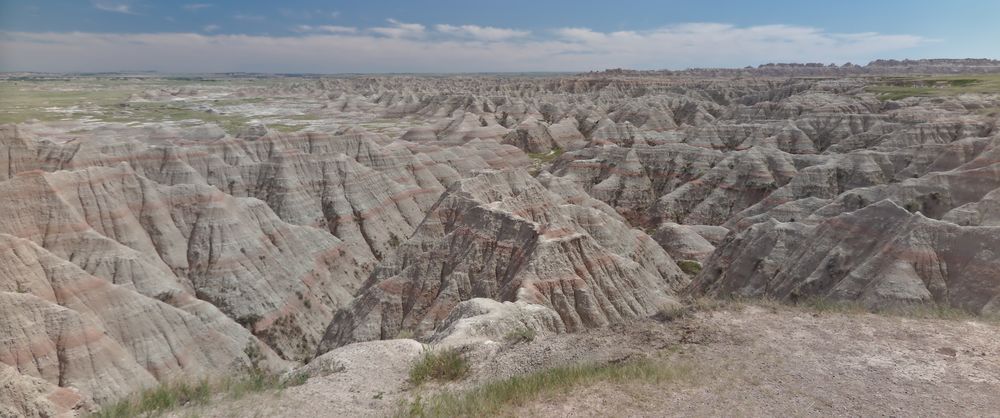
(441, 365)
(546, 157)
(520, 335)
(689, 267)
(492, 398)
(160, 399)
(169, 396)
(818, 304)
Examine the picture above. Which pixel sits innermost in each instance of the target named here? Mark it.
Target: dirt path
(764, 362)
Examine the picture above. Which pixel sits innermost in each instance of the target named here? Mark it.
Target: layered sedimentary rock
(462, 208)
(879, 255)
(26, 396)
(502, 235)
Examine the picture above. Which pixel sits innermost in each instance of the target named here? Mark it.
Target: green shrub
(689, 267)
(442, 365)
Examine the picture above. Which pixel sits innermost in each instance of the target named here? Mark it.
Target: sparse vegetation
(546, 157)
(493, 398)
(520, 335)
(441, 365)
(168, 396)
(897, 88)
(674, 311)
(689, 267)
(285, 128)
(920, 311)
(826, 305)
(671, 313)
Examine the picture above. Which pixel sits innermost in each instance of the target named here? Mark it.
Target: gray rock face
(881, 254)
(683, 242)
(480, 319)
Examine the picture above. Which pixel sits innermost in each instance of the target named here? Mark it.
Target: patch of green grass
(442, 365)
(906, 310)
(282, 127)
(163, 112)
(493, 398)
(158, 400)
(170, 396)
(896, 88)
(303, 117)
(520, 335)
(689, 267)
(546, 157)
(23, 101)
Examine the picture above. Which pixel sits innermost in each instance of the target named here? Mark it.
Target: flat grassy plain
(896, 88)
(107, 101)
(21, 101)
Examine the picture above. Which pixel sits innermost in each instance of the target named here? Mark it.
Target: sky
(447, 36)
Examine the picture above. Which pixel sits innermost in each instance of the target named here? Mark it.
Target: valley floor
(733, 360)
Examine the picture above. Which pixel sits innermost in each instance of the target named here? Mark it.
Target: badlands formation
(157, 229)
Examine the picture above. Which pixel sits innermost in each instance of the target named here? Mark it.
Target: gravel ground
(745, 361)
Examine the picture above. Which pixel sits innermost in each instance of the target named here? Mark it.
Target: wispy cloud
(486, 33)
(115, 7)
(211, 28)
(400, 30)
(194, 7)
(410, 47)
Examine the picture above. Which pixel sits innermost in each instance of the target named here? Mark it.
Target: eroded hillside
(157, 229)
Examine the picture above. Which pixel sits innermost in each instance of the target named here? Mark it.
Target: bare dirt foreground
(738, 360)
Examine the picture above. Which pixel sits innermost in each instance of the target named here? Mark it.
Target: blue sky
(455, 36)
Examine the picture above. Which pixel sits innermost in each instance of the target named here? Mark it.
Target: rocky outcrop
(26, 396)
(880, 255)
(501, 235)
(176, 243)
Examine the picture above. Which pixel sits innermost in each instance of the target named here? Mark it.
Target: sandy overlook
(161, 229)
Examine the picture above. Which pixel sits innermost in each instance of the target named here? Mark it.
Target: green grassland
(106, 101)
(23, 101)
(896, 88)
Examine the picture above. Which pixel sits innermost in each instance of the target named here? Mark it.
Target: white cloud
(116, 7)
(407, 47)
(324, 28)
(211, 28)
(194, 7)
(400, 29)
(485, 33)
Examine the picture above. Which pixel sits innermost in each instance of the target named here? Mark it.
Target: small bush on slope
(443, 365)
